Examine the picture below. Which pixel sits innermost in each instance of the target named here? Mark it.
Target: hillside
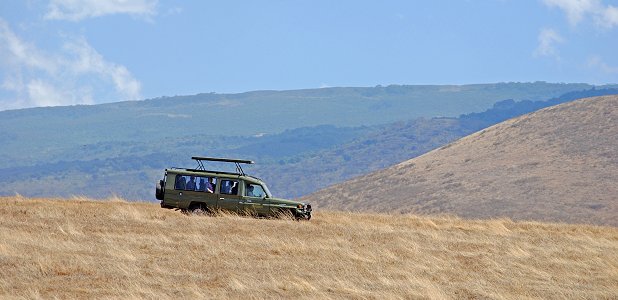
(556, 164)
(52, 134)
(78, 248)
(258, 112)
(380, 147)
(310, 158)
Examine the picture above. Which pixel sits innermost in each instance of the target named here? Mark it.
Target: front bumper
(304, 212)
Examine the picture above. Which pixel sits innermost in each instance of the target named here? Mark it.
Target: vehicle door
(174, 189)
(202, 190)
(228, 194)
(254, 200)
(189, 189)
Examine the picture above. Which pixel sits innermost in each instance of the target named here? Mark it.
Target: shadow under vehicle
(204, 190)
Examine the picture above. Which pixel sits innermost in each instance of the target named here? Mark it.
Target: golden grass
(78, 248)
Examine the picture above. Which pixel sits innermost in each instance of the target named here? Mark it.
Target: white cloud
(76, 10)
(88, 60)
(596, 62)
(547, 40)
(43, 93)
(577, 10)
(609, 17)
(19, 52)
(574, 9)
(74, 74)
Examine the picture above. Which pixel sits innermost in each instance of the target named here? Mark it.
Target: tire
(299, 217)
(198, 208)
(159, 190)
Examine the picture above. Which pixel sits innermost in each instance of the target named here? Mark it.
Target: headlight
(299, 206)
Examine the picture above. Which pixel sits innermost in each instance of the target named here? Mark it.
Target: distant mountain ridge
(556, 164)
(397, 142)
(84, 151)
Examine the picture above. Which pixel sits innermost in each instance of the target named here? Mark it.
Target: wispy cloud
(73, 10)
(21, 52)
(88, 61)
(71, 75)
(548, 38)
(574, 9)
(597, 62)
(609, 17)
(578, 10)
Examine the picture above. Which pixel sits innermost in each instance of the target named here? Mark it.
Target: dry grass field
(558, 164)
(78, 248)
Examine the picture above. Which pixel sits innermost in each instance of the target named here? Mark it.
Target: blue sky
(65, 52)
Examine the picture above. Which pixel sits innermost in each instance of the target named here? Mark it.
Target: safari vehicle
(199, 189)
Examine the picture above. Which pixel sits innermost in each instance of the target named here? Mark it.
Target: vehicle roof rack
(200, 162)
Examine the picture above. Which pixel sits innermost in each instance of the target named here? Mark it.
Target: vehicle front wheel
(298, 216)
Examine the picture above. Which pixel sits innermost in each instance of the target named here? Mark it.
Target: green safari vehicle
(203, 190)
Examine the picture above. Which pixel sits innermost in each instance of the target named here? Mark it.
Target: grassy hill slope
(95, 249)
(556, 164)
(310, 158)
(257, 112)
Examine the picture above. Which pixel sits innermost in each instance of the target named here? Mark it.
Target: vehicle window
(195, 183)
(206, 184)
(190, 183)
(229, 187)
(181, 182)
(254, 190)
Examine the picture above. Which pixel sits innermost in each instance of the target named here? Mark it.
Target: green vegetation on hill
(48, 132)
(101, 150)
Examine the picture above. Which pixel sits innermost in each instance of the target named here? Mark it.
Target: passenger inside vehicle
(191, 184)
(211, 185)
(234, 188)
(202, 185)
(226, 188)
(254, 190)
(249, 190)
(229, 187)
(180, 183)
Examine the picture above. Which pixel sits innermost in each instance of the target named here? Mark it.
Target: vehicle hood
(285, 201)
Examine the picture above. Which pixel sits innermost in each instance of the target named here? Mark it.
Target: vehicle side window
(206, 184)
(229, 187)
(181, 182)
(190, 184)
(254, 190)
(195, 183)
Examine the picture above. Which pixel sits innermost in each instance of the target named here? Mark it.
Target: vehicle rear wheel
(198, 208)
